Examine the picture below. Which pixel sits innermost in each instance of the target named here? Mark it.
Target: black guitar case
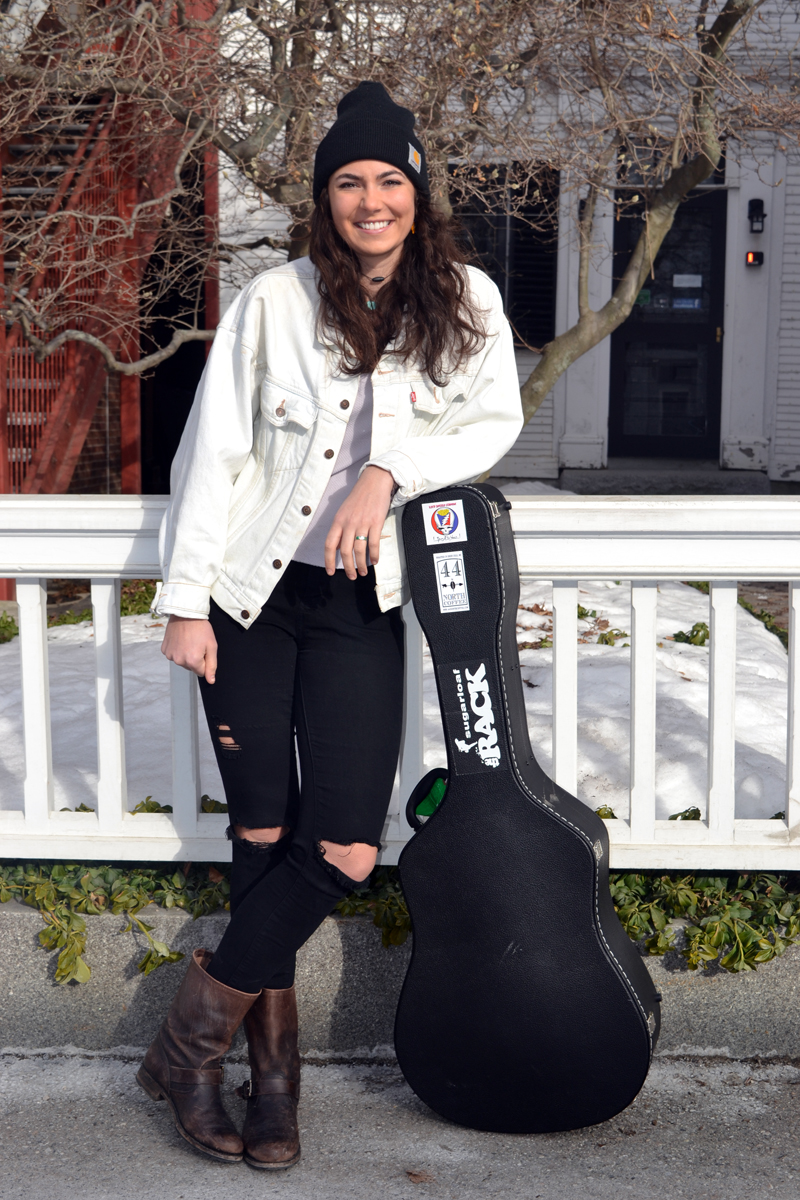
(526, 1008)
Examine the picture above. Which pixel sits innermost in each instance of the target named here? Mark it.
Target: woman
(338, 387)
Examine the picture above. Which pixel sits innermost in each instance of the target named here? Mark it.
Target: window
(514, 239)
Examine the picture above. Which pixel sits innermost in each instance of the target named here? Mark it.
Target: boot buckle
(246, 1089)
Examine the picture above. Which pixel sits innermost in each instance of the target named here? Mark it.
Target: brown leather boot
(184, 1064)
(271, 1139)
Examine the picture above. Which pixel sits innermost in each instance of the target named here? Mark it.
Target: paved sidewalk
(78, 1126)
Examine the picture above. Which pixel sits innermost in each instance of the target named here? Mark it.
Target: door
(666, 359)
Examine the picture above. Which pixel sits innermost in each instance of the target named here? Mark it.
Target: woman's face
(372, 205)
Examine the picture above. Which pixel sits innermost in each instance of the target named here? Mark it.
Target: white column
(38, 790)
(412, 750)
(582, 394)
(185, 751)
(565, 683)
(793, 731)
(721, 711)
(644, 603)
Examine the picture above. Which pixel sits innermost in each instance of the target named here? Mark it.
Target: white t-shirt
(354, 452)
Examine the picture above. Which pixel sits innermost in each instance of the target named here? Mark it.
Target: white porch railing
(561, 538)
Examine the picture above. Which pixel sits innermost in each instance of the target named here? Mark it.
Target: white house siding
(532, 456)
(785, 457)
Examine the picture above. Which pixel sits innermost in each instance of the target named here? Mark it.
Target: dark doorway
(167, 396)
(666, 359)
(168, 391)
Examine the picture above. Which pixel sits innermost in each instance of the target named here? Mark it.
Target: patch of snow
(681, 702)
(603, 707)
(148, 746)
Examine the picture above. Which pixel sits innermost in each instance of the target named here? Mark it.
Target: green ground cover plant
(698, 635)
(735, 921)
(761, 614)
(8, 627)
(65, 893)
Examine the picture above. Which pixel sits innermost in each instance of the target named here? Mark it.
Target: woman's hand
(363, 512)
(190, 642)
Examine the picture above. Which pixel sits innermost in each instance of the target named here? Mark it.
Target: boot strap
(274, 1085)
(195, 1077)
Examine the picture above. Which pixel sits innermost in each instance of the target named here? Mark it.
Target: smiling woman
(284, 576)
(373, 210)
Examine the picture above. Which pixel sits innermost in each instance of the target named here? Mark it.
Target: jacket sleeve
(214, 448)
(474, 433)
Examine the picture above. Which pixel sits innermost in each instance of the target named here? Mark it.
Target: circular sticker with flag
(444, 522)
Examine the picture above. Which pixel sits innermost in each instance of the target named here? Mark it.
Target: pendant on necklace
(377, 279)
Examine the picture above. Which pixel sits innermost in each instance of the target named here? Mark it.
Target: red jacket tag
(413, 397)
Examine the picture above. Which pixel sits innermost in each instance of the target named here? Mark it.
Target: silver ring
(361, 537)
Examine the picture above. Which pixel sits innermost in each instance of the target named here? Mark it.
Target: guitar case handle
(421, 793)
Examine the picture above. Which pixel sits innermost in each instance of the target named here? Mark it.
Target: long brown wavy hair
(425, 307)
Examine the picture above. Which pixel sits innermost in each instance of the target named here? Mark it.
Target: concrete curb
(347, 987)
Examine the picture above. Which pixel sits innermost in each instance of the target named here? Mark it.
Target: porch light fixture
(754, 258)
(756, 215)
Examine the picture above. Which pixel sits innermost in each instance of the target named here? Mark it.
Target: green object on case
(429, 805)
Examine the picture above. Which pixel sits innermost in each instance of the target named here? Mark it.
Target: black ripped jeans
(322, 665)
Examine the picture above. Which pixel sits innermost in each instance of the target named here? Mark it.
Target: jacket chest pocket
(287, 427)
(430, 400)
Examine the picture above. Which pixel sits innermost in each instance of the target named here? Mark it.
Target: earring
(413, 227)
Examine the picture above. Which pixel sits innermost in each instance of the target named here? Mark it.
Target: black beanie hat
(370, 125)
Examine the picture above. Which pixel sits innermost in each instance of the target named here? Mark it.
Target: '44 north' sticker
(452, 582)
(444, 522)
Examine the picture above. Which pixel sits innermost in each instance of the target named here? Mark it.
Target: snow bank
(603, 707)
(681, 701)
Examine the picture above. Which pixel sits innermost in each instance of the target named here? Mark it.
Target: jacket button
(280, 411)
(306, 510)
(329, 454)
(344, 404)
(277, 564)
(244, 614)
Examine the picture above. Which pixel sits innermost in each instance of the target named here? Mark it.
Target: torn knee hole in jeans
(224, 738)
(250, 845)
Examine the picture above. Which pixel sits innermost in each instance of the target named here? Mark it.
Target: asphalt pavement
(76, 1125)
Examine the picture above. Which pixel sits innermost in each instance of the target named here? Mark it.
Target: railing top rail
(557, 537)
(691, 516)
(44, 516)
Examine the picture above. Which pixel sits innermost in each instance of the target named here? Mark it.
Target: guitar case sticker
(470, 697)
(444, 522)
(452, 579)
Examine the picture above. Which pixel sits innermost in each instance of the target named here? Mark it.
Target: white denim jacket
(265, 428)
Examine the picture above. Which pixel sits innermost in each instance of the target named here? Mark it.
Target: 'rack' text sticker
(451, 581)
(444, 522)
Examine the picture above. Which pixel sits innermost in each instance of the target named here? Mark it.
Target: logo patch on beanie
(415, 158)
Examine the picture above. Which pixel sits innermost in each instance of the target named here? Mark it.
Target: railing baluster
(112, 783)
(793, 717)
(38, 790)
(565, 683)
(644, 604)
(185, 751)
(721, 710)
(412, 750)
